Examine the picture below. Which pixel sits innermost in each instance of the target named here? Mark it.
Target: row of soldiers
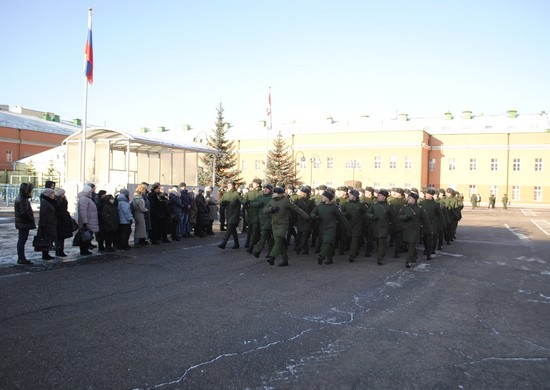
(345, 218)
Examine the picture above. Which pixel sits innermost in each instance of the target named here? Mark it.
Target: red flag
(89, 51)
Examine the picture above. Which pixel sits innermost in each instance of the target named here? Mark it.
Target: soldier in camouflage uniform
(437, 220)
(232, 201)
(355, 213)
(304, 227)
(413, 217)
(396, 203)
(266, 231)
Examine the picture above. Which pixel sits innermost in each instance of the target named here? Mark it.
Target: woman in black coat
(47, 223)
(24, 220)
(109, 216)
(64, 222)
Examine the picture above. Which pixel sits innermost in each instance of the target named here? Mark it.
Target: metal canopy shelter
(126, 158)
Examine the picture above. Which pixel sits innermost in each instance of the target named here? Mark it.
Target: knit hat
(86, 189)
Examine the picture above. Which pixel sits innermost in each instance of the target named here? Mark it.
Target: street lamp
(315, 159)
(303, 159)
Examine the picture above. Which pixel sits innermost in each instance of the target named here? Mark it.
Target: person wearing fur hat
(266, 230)
(414, 218)
(64, 222)
(328, 215)
(87, 216)
(177, 210)
(355, 213)
(253, 215)
(109, 215)
(303, 227)
(232, 201)
(380, 216)
(396, 228)
(280, 208)
(437, 220)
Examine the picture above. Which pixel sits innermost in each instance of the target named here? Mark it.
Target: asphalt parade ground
(189, 315)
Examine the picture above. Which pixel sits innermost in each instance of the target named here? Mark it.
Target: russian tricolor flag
(89, 51)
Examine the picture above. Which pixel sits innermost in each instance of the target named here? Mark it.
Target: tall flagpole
(88, 79)
(267, 133)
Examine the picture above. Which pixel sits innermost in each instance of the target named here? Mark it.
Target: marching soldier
(253, 230)
(380, 216)
(413, 217)
(304, 227)
(396, 203)
(328, 215)
(232, 201)
(266, 231)
(437, 220)
(355, 213)
(280, 208)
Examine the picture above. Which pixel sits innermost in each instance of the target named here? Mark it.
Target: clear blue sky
(168, 63)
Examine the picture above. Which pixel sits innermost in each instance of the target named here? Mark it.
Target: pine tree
(280, 165)
(226, 160)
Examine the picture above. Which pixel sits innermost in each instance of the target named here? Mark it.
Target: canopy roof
(140, 142)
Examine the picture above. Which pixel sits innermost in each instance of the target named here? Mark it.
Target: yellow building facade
(502, 154)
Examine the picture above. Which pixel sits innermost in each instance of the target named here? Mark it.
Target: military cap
(182, 184)
(322, 187)
(430, 191)
(279, 190)
(441, 190)
(354, 192)
(343, 188)
(414, 195)
(383, 192)
(305, 189)
(370, 189)
(257, 181)
(400, 191)
(414, 190)
(268, 186)
(328, 194)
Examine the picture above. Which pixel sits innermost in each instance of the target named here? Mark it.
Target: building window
(391, 184)
(538, 193)
(316, 163)
(353, 164)
(377, 162)
(9, 156)
(330, 163)
(393, 162)
(303, 164)
(494, 189)
(431, 164)
(258, 165)
(473, 164)
(472, 189)
(329, 184)
(243, 165)
(452, 164)
(516, 164)
(494, 164)
(515, 193)
(538, 164)
(376, 184)
(408, 162)
(408, 185)
(430, 185)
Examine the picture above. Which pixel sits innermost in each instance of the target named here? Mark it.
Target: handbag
(82, 236)
(75, 224)
(41, 242)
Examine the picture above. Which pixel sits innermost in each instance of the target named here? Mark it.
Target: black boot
(46, 256)
(283, 263)
(271, 260)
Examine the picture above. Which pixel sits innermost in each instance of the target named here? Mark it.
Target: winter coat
(47, 222)
(139, 216)
(329, 215)
(109, 215)
(147, 214)
(24, 215)
(212, 203)
(355, 213)
(64, 220)
(265, 218)
(232, 201)
(435, 215)
(125, 216)
(87, 212)
(307, 205)
(203, 212)
(413, 218)
(101, 202)
(253, 213)
(280, 208)
(176, 207)
(380, 216)
(185, 200)
(156, 208)
(193, 211)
